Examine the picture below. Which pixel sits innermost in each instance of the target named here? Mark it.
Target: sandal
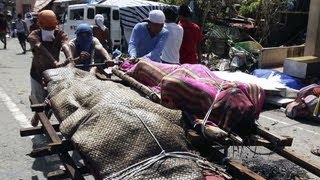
(316, 151)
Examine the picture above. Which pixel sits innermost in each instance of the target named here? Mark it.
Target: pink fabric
(196, 75)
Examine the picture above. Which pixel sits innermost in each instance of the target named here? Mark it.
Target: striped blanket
(194, 88)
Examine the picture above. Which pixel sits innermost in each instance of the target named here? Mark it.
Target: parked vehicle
(84, 13)
(120, 17)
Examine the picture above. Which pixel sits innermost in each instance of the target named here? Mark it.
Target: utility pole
(312, 46)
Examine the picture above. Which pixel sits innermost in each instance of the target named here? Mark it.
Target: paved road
(15, 113)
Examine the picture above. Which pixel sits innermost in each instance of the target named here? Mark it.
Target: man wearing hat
(46, 44)
(148, 38)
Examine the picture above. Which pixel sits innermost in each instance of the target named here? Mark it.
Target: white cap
(156, 16)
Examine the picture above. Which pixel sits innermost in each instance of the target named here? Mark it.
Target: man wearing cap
(170, 53)
(190, 51)
(46, 44)
(148, 38)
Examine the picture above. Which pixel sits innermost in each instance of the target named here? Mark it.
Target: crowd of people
(167, 36)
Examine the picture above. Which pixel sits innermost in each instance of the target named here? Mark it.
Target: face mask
(47, 35)
(99, 22)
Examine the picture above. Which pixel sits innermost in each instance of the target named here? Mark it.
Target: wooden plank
(297, 159)
(256, 141)
(234, 168)
(242, 172)
(65, 157)
(196, 139)
(49, 130)
(275, 139)
(275, 56)
(62, 174)
(50, 149)
(38, 107)
(70, 166)
(36, 130)
(57, 175)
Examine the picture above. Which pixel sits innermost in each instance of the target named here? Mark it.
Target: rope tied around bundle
(134, 169)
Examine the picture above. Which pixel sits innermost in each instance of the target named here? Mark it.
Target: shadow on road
(44, 164)
(34, 178)
(20, 53)
(310, 121)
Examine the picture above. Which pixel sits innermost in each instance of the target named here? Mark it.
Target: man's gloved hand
(84, 55)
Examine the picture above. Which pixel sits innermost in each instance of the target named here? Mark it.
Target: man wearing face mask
(148, 38)
(101, 32)
(46, 44)
(85, 46)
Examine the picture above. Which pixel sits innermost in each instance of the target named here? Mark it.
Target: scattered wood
(297, 159)
(275, 139)
(242, 172)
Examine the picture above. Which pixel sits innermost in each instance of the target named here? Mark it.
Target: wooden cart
(61, 147)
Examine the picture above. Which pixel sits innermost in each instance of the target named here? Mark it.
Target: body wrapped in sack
(104, 121)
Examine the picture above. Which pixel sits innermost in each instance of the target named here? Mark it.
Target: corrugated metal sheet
(134, 11)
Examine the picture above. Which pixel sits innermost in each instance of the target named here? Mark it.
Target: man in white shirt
(170, 53)
(28, 19)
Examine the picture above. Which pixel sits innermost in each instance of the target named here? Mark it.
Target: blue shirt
(141, 44)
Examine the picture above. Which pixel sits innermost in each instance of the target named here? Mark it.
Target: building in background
(24, 6)
(7, 7)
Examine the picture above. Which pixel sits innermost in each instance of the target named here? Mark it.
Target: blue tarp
(280, 77)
